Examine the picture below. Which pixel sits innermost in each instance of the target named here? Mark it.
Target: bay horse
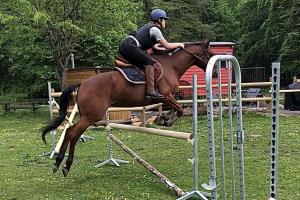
(97, 93)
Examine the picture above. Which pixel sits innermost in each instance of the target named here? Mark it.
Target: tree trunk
(64, 77)
(61, 71)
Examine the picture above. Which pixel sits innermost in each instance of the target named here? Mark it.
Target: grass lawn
(24, 174)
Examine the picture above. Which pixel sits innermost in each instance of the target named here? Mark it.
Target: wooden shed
(218, 48)
(79, 74)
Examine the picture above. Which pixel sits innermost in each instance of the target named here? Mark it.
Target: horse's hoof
(168, 123)
(55, 155)
(65, 172)
(54, 168)
(159, 120)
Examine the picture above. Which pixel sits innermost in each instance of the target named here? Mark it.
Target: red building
(218, 48)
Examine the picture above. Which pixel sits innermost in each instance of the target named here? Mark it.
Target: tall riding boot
(150, 90)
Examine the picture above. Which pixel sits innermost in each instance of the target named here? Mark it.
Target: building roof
(221, 43)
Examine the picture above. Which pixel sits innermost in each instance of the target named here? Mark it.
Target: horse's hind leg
(74, 136)
(60, 157)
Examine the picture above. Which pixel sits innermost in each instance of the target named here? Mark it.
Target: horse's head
(180, 60)
(200, 51)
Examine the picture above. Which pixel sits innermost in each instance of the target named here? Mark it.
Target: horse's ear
(205, 44)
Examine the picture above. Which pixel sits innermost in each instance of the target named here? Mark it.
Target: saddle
(135, 74)
(122, 62)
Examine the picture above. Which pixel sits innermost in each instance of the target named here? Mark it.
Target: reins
(191, 53)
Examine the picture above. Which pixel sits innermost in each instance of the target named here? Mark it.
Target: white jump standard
(240, 133)
(196, 191)
(213, 184)
(274, 130)
(110, 159)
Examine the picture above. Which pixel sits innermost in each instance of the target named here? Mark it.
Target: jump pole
(62, 137)
(152, 131)
(148, 166)
(173, 134)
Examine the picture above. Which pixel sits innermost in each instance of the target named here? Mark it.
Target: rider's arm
(168, 45)
(157, 34)
(159, 47)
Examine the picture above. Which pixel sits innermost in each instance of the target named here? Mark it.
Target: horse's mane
(161, 52)
(167, 51)
(193, 43)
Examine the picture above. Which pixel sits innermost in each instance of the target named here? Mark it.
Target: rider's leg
(141, 58)
(150, 88)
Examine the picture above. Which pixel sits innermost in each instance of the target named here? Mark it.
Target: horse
(97, 93)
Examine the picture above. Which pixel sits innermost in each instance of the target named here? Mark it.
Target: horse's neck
(180, 62)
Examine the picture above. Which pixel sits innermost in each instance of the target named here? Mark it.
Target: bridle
(187, 51)
(193, 54)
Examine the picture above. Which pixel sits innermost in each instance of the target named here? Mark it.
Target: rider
(134, 47)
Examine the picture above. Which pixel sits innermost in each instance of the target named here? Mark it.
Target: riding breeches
(134, 54)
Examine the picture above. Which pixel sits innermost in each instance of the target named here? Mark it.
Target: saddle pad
(132, 74)
(137, 76)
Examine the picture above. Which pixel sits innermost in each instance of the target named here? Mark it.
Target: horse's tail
(63, 107)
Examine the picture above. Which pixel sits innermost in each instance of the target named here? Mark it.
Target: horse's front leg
(160, 120)
(171, 101)
(172, 116)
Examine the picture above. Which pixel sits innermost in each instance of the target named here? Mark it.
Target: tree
(270, 31)
(95, 25)
(290, 47)
(3, 67)
(25, 54)
(193, 20)
(52, 30)
(3, 56)
(252, 15)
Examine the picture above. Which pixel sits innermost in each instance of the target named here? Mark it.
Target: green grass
(24, 174)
